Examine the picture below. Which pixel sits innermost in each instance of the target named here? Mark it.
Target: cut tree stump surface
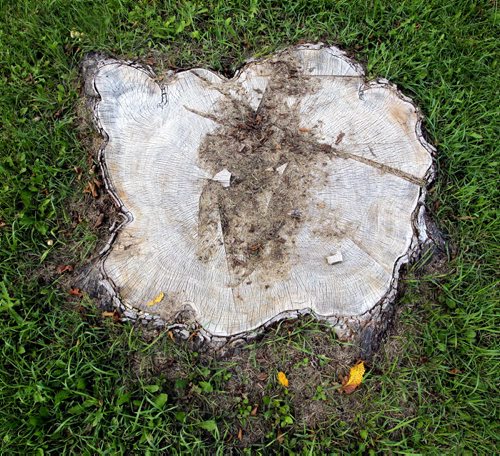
(296, 186)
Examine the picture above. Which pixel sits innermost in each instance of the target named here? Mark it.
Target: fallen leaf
(75, 292)
(64, 268)
(262, 376)
(2, 224)
(78, 172)
(352, 382)
(76, 218)
(304, 130)
(171, 335)
(108, 314)
(99, 221)
(240, 434)
(280, 437)
(282, 379)
(92, 189)
(254, 411)
(156, 299)
(455, 371)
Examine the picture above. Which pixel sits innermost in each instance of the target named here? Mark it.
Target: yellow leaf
(282, 379)
(156, 299)
(355, 378)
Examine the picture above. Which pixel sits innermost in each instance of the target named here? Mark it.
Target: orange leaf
(282, 379)
(64, 268)
(352, 382)
(240, 434)
(75, 292)
(114, 315)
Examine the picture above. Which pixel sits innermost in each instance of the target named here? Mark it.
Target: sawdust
(273, 162)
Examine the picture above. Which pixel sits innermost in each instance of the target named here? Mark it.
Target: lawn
(73, 382)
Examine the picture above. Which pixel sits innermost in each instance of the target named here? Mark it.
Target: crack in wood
(384, 168)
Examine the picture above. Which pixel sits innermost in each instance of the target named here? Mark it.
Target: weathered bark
(294, 187)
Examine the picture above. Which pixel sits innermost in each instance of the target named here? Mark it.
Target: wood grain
(294, 186)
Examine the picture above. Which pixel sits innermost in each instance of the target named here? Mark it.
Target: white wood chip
(335, 258)
(224, 177)
(281, 169)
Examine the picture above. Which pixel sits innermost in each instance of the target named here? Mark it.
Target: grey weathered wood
(339, 168)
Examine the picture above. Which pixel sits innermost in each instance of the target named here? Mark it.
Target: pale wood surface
(354, 224)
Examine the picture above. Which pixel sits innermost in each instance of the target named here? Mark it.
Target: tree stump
(294, 187)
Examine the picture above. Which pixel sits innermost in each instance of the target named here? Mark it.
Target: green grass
(71, 383)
